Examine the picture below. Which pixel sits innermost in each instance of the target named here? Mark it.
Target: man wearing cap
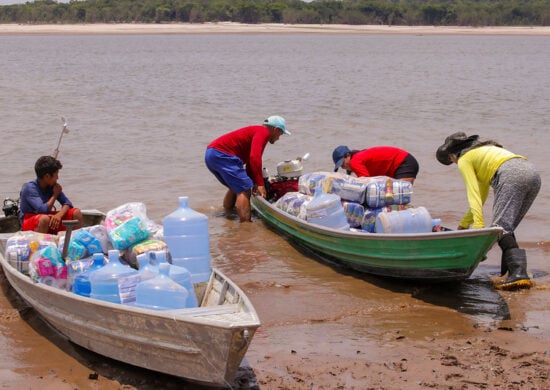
(515, 185)
(377, 161)
(235, 159)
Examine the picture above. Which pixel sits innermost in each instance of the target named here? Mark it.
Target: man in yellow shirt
(515, 183)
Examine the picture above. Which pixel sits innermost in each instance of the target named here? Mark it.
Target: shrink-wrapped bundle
(293, 203)
(385, 191)
(354, 213)
(310, 181)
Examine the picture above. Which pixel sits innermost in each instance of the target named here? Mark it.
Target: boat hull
(204, 345)
(441, 256)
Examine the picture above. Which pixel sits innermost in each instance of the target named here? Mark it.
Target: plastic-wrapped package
(47, 266)
(145, 246)
(127, 211)
(22, 245)
(354, 213)
(310, 181)
(347, 187)
(385, 191)
(293, 203)
(128, 233)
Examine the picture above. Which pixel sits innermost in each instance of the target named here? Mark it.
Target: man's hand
(55, 220)
(57, 189)
(261, 190)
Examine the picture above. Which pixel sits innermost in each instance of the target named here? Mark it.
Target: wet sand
(410, 341)
(238, 28)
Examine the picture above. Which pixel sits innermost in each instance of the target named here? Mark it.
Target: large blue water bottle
(412, 220)
(326, 210)
(114, 282)
(75, 268)
(146, 270)
(81, 282)
(161, 292)
(187, 237)
(178, 274)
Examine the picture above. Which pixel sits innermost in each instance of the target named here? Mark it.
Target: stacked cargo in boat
(127, 259)
(366, 204)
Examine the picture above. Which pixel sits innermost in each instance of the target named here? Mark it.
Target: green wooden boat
(440, 256)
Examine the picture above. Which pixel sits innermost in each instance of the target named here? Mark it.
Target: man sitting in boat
(377, 161)
(227, 156)
(38, 197)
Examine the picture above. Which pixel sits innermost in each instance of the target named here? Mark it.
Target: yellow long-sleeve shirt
(477, 167)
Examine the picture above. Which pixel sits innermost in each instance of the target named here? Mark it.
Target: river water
(142, 108)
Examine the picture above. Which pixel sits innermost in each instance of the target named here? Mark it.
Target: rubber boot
(508, 241)
(516, 263)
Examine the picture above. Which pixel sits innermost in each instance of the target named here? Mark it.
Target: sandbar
(269, 28)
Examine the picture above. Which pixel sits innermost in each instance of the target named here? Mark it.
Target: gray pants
(516, 185)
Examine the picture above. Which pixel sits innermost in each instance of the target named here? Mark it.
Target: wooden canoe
(438, 256)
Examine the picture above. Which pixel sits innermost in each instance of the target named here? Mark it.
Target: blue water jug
(80, 270)
(178, 274)
(187, 237)
(146, 270)
(326, 210)
(114, 282)
(412, 220)
(161, 292)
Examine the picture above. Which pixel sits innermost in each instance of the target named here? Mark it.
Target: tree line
(354, 12)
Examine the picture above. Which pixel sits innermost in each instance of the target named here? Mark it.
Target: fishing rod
(64, 130)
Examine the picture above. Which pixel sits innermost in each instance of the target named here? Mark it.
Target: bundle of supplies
(365, 203)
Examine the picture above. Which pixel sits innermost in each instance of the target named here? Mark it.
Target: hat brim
(339, 164)
(453, 146)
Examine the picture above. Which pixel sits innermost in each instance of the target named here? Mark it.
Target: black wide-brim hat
(454, 144)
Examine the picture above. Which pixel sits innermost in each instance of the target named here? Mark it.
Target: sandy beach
(238, 28)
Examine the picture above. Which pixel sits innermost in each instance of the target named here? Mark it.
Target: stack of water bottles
(154, 286)
(160, 275)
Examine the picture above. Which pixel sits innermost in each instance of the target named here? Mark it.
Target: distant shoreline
(239, 28)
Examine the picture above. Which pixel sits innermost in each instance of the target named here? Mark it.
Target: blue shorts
(229, 170)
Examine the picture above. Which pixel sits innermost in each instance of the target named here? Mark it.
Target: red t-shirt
(248, 144)
(377, 161)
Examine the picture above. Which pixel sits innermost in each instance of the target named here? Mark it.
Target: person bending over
(235, 159)
(377, 161)
(515, 183)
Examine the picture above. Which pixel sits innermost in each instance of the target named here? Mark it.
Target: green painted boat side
(440, 256)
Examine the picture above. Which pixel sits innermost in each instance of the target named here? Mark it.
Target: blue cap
(339, 155)
(278, 122)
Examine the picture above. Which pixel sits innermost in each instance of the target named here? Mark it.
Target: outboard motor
(11, 207)
(286, 180)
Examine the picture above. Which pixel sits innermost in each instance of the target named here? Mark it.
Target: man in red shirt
(377, 161)
(235, 159)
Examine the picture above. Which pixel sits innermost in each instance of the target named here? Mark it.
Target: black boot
(515, 261)
(508, 241)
